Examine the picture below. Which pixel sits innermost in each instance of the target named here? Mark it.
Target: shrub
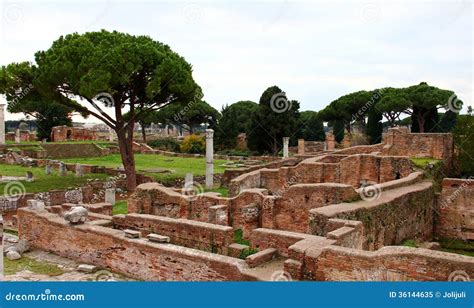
(193, 144)
(462, 133)
(165, 144)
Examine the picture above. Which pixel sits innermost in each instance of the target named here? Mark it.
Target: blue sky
(315, 51)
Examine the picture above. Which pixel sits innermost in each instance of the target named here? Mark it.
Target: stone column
(62, 169)
(346, 142)
(188, 181)
(286, 141)
(209, 158)
(111, 135)
(330, 142)
(79, 170)
(17, 136)
(2, 123)
(300, 146)
(110, 196)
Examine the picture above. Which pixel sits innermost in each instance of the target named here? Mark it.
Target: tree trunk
(143, 134)
(421, 122)
(126, 152)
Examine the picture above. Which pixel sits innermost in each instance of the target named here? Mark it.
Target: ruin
(330, 215)
(67, 133)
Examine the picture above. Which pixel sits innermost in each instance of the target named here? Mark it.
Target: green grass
(120, 207)
(423, 162)
(43, 182)
(26, 263)
(180, 165)
(409, 243)
(457, 246)
(224, 191)
(239, 239)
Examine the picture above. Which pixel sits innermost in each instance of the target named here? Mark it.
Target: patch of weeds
(457, 246)
(26, 263)
(239, 237)
(247, 252)
(120, 207)
(410, 243)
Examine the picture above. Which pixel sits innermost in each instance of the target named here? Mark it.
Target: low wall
(332, 168)
(456, 209)
(70, 150)
(389, 217)
(137, 258)
(182, 232)
(387, 264)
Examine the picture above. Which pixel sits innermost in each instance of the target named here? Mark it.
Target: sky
(315, 51)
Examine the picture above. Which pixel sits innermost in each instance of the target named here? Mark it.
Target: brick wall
(398, 141)
(183, 232)
(387, 264)
(137, 258)
(456, 209)
(389, 219)
(345, 169)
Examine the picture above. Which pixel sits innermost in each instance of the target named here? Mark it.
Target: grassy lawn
(25, 263)
(120, 207)
(179, 165)
(448, 245)
(422, 162)
(43, 182)
(224, 191)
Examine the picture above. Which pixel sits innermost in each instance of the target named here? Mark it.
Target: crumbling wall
(398, 141)
(291, 209)
(387, 264)
(137, 258)
(389, 217)
(456, 209)
(182, 232)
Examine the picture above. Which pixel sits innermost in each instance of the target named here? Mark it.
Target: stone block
(261, 257)
(86, 268)
(131, 233)
(158, 238)
(77, 215)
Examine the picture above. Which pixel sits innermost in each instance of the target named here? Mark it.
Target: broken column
(62, 169)
(286, 141)
(111, 134)
(110, 196)
(346, 142)
(79, 170)
(300, 146)
(77, 215)
(2, 123)
(330, 142)
(17, 136)
(188, 181)
(209, 158)
(47, 169)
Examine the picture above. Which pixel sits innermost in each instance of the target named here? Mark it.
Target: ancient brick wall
(387, 264)
(137, 258)
(398, 141)
(389, 217)
(353, 170)
(66, 133)
(456, 209)
(182, 232)
(291, 209)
